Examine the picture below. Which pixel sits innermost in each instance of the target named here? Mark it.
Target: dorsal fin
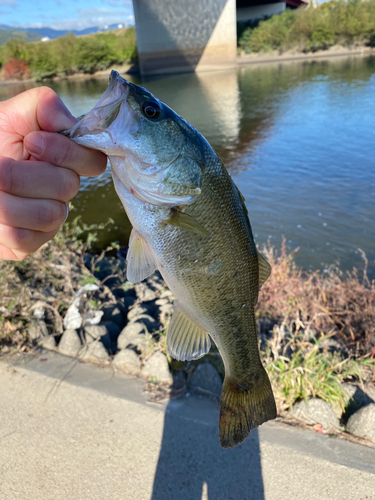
(264, 269)
(185, 340)
(140, 260)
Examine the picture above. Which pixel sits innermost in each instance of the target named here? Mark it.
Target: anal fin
(186, 340)
(140, 261)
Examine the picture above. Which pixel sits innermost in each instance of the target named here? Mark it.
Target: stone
(114, 314)
(94, 352)
(362, 422)
(127, 361)
(102, 333)
(148, 321)
(92, 317)
(132, 334)
(358, 397)
(316, 411)
(157, 367)
(206, 379)
(137, 311)
(37, 330)
(161, 302)
(166, 308)
(48, 342)
(112, 328)
(166, 293)
(72, 318)
(70, 343)
(144, 292)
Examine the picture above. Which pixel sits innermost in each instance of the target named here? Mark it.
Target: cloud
(12, 3)
(88, 17)
(120, 3)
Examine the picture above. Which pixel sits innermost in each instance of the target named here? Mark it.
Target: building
(253, 10)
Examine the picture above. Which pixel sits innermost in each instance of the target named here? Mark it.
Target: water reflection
(298, 139)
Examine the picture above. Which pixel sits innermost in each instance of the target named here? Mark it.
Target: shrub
(347, 22)
(18, 70)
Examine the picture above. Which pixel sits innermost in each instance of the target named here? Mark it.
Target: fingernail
(34, 143)
(71, 120)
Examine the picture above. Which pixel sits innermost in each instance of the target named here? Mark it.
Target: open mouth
(105, 112)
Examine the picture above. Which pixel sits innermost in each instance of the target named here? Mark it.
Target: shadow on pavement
(192, 463)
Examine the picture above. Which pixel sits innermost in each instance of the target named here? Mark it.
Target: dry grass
(341, 307)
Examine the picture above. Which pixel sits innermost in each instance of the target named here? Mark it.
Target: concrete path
(72, 431)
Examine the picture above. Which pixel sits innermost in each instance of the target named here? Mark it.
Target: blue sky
(65, 14)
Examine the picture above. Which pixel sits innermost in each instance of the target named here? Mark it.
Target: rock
(92, 317)
(114, 314)
(112, 328)
(137, 311)
(316, 411)
(331, 345)
(144, 292)
(166, 308)
(37, 330)
(166, 293)
(70, 343)
(148, 321)
(72, 319)
(48, 342)
(132, 334)
(103, 332)
(94, 352)
(157, 366)
(358, 397)
(362, 422)
(206, 379)
(127, 361)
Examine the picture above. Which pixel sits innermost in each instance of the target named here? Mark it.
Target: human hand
(39, 170)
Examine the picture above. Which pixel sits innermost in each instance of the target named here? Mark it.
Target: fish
(191, 223)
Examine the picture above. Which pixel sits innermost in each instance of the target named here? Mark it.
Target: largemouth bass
(190, 222)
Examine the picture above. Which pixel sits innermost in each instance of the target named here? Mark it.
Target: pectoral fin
(140, 261)
(185, 221)
(185, 340)
(264, 269)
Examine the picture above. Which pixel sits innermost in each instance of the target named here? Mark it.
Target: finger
(35, 179)
(9, 254)
(37, 109)
(61, 151)
(28, 213)
(23, 240)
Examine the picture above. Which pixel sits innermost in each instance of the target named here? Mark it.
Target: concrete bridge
(175, 36)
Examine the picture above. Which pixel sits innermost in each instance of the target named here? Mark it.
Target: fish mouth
(104, 113)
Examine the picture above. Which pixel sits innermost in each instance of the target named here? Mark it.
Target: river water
(298, 139)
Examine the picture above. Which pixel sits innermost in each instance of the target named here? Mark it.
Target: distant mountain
(51, 33)
(7, 34)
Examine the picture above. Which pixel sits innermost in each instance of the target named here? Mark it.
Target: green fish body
(190, 222)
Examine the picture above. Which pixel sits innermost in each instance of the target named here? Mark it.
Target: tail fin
(244, 406)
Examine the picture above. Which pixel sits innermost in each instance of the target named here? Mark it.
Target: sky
(65, 14)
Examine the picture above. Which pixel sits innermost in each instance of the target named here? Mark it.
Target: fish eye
(151, 109)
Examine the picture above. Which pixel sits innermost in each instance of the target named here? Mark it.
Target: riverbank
(315, 332)
(243, 59)
(332, 52)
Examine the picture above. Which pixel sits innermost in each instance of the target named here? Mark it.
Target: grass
(341, 22)
(316, 330)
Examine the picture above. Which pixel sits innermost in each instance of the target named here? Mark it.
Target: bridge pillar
(175, 36)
